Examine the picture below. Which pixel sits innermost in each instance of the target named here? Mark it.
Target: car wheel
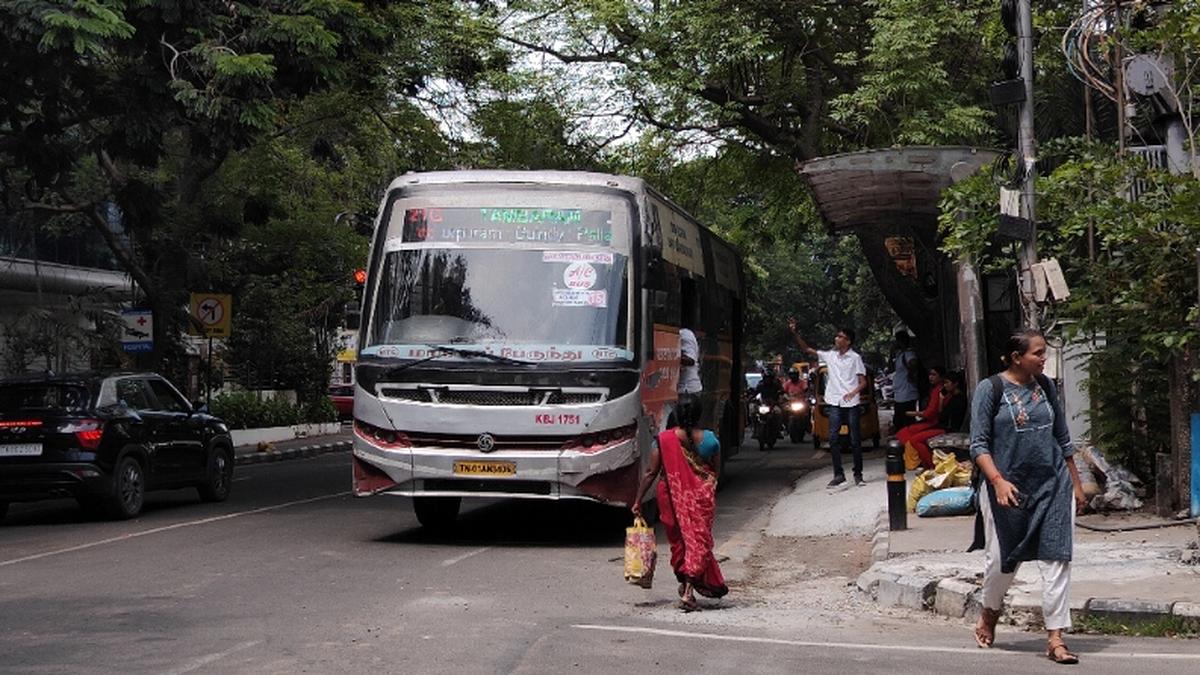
(219, 480)
(436, 513)
(128, 489)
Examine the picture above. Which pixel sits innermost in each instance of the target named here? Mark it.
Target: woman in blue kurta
(1027, 504)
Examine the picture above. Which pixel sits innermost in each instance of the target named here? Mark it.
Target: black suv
(106, 438)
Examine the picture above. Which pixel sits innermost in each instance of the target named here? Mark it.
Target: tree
(117, 112)
(212, 145)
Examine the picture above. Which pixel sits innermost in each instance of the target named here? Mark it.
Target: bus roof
(587, 178)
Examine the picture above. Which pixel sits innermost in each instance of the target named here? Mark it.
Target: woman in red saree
(688, 459)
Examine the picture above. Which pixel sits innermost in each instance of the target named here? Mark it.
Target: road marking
(205, 660)
(165, 528)
(468, 554)
(871, 647)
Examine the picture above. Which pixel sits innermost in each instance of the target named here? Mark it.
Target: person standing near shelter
(847, 379)
(1027, 505)
(689, 369)
(689, 386)
(905, 392)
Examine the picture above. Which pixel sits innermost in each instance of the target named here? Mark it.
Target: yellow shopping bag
(641, 553)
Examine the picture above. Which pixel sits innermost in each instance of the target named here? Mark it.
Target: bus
(519, 337)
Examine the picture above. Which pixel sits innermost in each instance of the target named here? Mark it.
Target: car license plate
(20, 449)
(468, 468)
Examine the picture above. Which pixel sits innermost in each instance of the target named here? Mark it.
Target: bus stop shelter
(888, 199)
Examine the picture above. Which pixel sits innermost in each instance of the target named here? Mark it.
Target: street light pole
(1028, 165)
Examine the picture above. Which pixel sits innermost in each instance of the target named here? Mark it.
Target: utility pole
(1028, 165)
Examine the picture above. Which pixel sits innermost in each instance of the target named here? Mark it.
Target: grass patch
(1170, 626)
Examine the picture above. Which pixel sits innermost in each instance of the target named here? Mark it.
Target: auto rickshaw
(868, 421)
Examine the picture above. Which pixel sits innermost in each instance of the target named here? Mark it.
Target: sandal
(1056, 651)
(687, 601)
(985, 630)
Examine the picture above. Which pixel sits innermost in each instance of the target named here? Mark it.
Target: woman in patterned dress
(1027, 505)
(688, 458)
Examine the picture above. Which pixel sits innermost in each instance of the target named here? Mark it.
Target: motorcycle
(768, 421)
(796, 412)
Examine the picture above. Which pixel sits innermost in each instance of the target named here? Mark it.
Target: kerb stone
(1129, 611)
(906, 591)
(952, 596)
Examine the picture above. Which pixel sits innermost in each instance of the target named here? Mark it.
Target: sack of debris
(947, 472)
(1120, 490)
(955, 501)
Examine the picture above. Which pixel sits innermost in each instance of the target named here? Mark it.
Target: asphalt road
(295, 575)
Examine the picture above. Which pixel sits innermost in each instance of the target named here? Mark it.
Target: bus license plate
(20, 449)
(465, 468)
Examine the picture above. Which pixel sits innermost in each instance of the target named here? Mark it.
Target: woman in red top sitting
(916, 434)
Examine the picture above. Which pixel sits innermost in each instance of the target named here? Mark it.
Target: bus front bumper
(607, 474)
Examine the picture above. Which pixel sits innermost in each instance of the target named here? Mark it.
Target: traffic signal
(1010, 64)
(1011, 89)
(354, 307)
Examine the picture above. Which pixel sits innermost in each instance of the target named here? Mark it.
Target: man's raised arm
(799, 340)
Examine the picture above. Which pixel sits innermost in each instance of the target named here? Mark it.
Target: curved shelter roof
(891, 186)
(889, 199)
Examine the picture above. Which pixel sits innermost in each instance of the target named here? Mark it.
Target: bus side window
(666, 299)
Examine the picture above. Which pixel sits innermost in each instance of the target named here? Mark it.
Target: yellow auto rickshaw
(868, 421)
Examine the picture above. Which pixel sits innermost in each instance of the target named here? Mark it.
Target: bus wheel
(436, 513)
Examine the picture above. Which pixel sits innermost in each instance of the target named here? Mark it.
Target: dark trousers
(848, 416)
(899, 418)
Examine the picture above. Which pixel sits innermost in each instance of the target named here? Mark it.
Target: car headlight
(797, 406)
(764, 409)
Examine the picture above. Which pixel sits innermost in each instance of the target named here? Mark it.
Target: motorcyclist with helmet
(768, 423)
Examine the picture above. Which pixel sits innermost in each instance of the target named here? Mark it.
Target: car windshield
(532, 273)
(42, 396)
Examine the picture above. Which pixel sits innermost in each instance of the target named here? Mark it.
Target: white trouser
(1056, 574)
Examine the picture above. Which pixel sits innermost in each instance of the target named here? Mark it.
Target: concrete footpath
(1137, 573)
(294, 449)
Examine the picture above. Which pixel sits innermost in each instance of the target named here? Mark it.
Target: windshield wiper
(460, 351)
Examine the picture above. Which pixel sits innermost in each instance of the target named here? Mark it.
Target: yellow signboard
(210, 314)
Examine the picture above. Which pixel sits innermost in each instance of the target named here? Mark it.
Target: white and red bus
(520, 337)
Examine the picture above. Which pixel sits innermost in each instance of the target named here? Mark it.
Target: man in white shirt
(689, 387)
(846, 379)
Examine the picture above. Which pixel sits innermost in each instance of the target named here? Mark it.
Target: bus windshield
(546, 283)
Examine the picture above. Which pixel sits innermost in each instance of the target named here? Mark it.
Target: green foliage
(1139, 294)
(793, 268)
(231, 146)
(925, 73)
(247, 410)
(319, 410)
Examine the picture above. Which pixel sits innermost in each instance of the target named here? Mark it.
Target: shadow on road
(529, 523)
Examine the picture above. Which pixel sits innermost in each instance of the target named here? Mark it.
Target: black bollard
(897, 506)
